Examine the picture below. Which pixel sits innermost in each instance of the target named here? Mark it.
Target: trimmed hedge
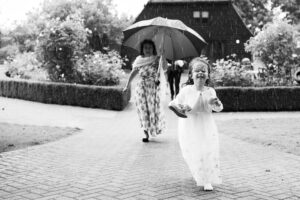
(105, 97)
(260, 98)
(113, 98)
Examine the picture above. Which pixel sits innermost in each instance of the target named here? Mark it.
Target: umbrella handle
(161, 46)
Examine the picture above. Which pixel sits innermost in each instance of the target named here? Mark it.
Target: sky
(15, 10)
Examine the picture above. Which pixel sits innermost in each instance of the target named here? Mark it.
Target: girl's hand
(214, 101)
(184, 108)
(187, 108)
(218, 103)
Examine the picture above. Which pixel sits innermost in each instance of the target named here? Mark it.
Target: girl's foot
(208, 187)
(147, 137)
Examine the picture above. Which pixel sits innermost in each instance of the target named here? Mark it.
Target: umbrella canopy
(172, 37)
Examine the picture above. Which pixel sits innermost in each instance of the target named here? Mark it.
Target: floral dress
(198, 135)
(147, 97)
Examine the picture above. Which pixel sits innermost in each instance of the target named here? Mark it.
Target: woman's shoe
(146, 139)
(208, 187)
(177, 111)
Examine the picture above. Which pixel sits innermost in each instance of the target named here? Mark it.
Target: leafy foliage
(8, 52)
(257, 13)
(112, 98)
(99, 17)
(290, 6)
(60, 45)
(25, 35)
(26, 66)
(100, 69)
(275, 46)
(254, 13)
(230, 73)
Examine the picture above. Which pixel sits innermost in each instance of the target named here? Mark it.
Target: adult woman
(147, 93)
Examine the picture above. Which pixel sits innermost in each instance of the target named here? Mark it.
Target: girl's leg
(208, 187)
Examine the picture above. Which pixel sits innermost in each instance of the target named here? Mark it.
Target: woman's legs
(146, 139)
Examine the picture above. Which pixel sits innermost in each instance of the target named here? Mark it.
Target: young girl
(198, 134)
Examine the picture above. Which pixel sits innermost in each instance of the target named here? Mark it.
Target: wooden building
(217, 21)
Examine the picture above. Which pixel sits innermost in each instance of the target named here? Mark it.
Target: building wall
(223, 28)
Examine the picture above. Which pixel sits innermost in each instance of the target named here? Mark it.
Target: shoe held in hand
(177, 111)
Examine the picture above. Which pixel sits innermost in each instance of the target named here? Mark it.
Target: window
(204, 16)
(196, 14)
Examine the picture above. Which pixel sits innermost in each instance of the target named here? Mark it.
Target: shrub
(276, 46)
(26, 66)
(230, 73)
(260, 98)
(108, 97)
(24, 35)
(9, 52)
(60, 45)
(100, 69)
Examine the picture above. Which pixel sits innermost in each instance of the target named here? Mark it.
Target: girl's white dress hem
(198, 135)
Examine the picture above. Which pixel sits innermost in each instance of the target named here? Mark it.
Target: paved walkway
(107, 160)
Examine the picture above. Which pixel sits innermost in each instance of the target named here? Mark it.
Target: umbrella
(172, 37)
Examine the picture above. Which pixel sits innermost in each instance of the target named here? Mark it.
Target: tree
(290, 6)
(254, 13)
(99, 17)
(60, 45)
(257, 13)
(276, 46)
(24, 36)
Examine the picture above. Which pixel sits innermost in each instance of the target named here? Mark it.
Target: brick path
(107, 160)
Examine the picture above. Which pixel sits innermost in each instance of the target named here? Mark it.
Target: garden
(68, 53)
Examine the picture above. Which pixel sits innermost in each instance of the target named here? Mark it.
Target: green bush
(230, 73)
(276, 45)
(260, 98)
(108, 97)
(8, 52)
(60, 46)
(100, 69)
(26, 66)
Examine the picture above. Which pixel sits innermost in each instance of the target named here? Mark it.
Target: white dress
(198, 135)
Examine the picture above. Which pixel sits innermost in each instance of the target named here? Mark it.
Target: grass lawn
(16, 136)
(280, 133)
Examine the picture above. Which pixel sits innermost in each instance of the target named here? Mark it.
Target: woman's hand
(125, 88)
